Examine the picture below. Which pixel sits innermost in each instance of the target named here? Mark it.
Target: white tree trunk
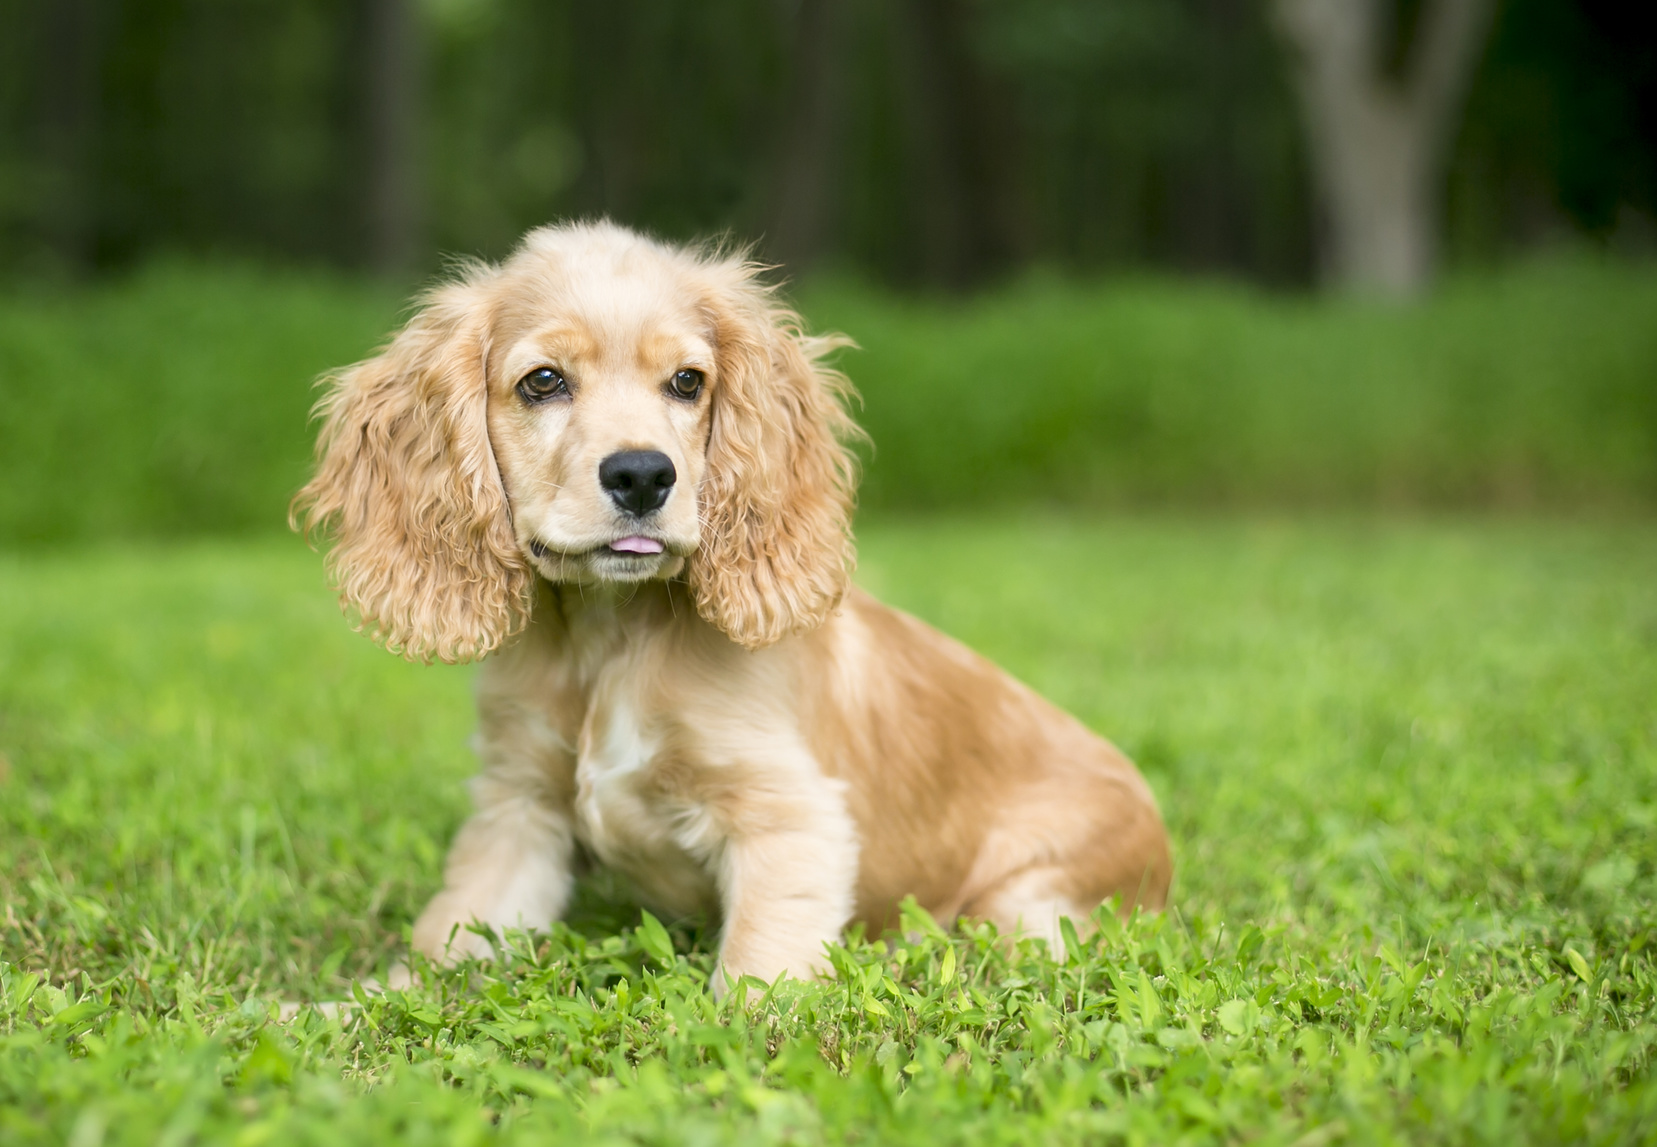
(1379, 143)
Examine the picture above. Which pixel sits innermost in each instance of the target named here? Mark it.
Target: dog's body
(627, 452)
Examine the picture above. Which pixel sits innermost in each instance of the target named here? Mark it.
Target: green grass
(1410, 769)
(175, 402)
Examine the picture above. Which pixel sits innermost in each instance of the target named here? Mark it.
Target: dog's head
(599, 408)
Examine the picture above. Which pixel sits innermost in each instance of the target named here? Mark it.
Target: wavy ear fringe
(776, 500)
(406, 486)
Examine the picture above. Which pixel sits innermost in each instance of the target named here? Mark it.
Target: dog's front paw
(445, 934)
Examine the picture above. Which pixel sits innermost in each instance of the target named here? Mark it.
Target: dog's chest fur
(623, 812)
(624, 816)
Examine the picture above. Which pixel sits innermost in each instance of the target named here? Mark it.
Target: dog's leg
(1063, 853)
(508, 868)
(1029, 903)
(787, 892)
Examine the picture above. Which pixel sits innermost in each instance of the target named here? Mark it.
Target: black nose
(638, 480)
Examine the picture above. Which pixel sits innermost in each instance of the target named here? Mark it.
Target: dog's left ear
(776, 497)
(406, 485)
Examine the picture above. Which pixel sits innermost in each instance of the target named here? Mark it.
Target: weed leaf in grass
(1234, 1016)
(653, 938)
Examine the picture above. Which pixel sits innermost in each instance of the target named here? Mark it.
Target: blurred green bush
(1533, 386)
(175, 402)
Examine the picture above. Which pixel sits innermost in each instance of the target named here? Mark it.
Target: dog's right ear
(406, 486)
(776, 500)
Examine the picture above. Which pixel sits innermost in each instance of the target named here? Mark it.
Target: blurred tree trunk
(69, 113)
(392, 77)
(961, 145)
(1379, 135)
(1208, 211)
(612, 108)
(807, 150)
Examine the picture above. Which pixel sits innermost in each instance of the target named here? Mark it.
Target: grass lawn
(1410, 769)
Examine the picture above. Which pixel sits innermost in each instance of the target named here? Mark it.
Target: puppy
(620, 468)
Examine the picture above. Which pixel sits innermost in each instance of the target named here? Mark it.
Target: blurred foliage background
(1082, 241)
(938, 142)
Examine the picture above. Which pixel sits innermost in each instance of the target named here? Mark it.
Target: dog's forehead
(633, 312)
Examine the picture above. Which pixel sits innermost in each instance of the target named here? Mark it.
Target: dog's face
(598, 408)
(601, 397)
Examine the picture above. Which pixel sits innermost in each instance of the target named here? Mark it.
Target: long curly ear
(406, 485)
(776, 497)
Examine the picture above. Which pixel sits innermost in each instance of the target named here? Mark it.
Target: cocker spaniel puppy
(619, 468)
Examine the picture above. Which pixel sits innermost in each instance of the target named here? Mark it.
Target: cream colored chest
(666, 847)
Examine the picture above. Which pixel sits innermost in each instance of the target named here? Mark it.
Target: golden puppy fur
(724, 722)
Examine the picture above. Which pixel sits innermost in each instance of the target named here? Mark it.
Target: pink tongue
(636, 545)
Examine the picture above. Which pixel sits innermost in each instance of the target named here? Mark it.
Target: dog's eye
(686, 383)
(541, 384)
